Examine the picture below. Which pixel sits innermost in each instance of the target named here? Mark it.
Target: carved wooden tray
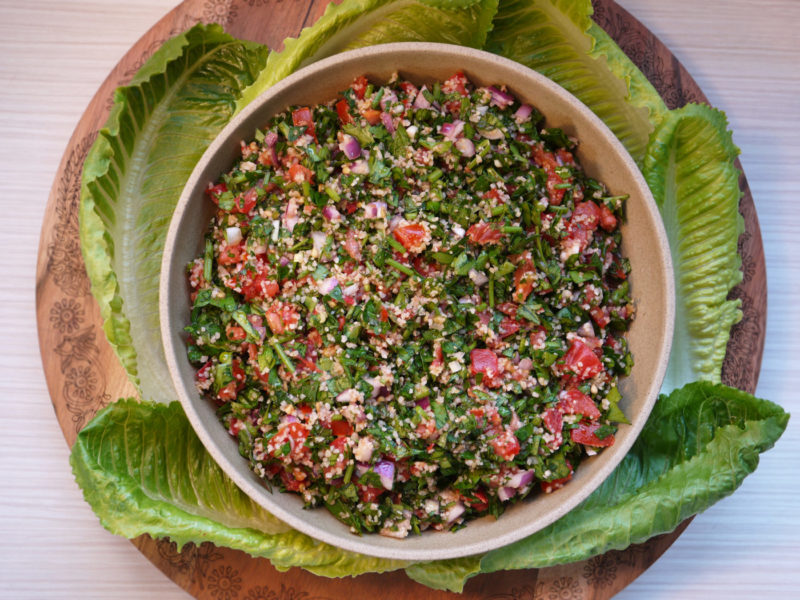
(84, 375)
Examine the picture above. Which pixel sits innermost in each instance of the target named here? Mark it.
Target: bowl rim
(259, 494)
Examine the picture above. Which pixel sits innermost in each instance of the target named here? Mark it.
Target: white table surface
(54, 55)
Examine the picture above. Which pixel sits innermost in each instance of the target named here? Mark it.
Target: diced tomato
(494, 194)
(235, 333)
(343, 110)
(438, 357)
(239, 375)
(484, 233)
(457, 83)
(260, 287)
(295, 481)
(538, 338)
(483, 361)
(586, 214)
(315, 338)
(342, 320)
(306, 363)
(581, 226)
(369, 494)
(508, 327)
(600, 316)
(227, 392)
(305, 409)
(373, 116)
(230, 255)
(214, 191)
(359, 87)
(341, 428)
(204, 372)
(556, 484)
(582, 361)
(298, 173)
(303, 117)
(411, 235)
(607, 219)
(506, 445)
(281, 316)
(352, 245)
(547, 160)
(584, 434)
(476, 500)
(245, 203)
(295, 434)
(524, 278)
(553, 420)
(508, 308)
(384, 314)
(575, 402)
(410, 91)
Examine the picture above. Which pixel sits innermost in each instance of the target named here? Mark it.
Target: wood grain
(83, 373)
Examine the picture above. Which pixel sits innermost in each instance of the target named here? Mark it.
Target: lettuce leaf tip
(133, 175)
(690, 169)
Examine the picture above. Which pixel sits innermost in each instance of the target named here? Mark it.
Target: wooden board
(83, 373)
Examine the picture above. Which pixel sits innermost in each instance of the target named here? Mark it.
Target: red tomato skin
(245, 203)
(359, 87)
(235, 333)
(343, 110)
(581, 361)
(607, 219)
(483, 361)
(372, 115)
(484, 233)
(410, 235)
(551, 486)
(584, 434)
(508, 327)
(506, 445)
(553, 420)
(341, 428)
(298, 174)
(574, 402)
(369, 494)
(303, 117)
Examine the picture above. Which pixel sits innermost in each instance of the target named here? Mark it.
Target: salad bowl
(602, 157)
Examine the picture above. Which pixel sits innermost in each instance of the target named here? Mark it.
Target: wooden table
(54, 55)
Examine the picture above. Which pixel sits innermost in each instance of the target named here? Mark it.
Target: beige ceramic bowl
(602, 156)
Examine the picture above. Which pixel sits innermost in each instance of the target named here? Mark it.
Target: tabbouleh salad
(411, 305)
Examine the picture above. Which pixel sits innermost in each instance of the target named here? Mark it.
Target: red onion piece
(359, 167)
(385, 470)
(318, 238)
(454, 512)
(361, 468)
(271, 139)
(500, 98)
(351, 290)
(520, 479)
(386, 118)
(290, 218)
(523, 113)
(258, 324)
(233, 235)
(375, 210)
(465, 146)
(504, 494)
(288, 419)
(421, 101)
(331, 214)
(284, 260)
(491, 134)
(388, 98)
(326, 286)
(452, 130)
(425, 403)
(477, 277)
(350, 146)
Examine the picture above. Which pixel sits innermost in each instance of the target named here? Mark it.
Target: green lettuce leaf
(359, 23)
(690, 170)
(698, 445)
(558, 39)
(134, 173)
(142, 469)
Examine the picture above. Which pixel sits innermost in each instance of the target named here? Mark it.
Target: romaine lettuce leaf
(143, 470)
(558, 39)
(690, 170)
(359, 23)
(134, 173)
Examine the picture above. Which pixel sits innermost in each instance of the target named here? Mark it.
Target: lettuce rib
(690, 170)
(134, 173)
